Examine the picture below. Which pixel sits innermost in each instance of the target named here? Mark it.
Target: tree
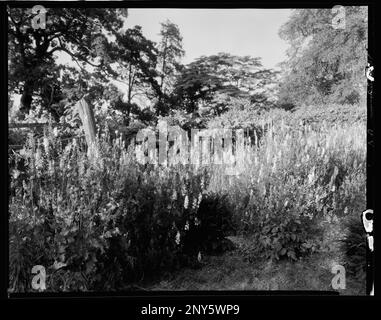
(170, 52)
(135, 60)
(210, 81)
(324, 64)
(78, 32)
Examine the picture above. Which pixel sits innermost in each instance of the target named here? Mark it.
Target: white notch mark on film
(369, 72)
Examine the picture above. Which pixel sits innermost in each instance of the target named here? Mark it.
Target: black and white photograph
(188, 149)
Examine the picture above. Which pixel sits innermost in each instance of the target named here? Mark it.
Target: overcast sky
(251, 32)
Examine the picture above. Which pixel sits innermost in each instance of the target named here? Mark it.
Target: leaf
(291, 254)
(307, 245)
(58, 265)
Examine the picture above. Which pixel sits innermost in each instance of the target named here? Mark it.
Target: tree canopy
(140, 79)
(325, 64)
(78, 32)
(210, 80)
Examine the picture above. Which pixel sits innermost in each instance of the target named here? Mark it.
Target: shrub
(105, 218)
(354, 248)
(294, 182)
(243, 114)
(110, 221)
(151, 213)
(56, 206)
(335, 114)
(209, 228)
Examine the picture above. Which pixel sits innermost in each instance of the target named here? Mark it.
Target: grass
(231, 272)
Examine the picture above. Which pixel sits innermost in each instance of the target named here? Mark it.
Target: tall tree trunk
(26, 97)
(161, 93)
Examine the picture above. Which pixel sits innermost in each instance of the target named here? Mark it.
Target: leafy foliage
(325, 65)
(136, 59)
(108, 219)
(209, 80)
(208, 230)
(170, 52)
(354, 247)
(294, 182)
(32, 68)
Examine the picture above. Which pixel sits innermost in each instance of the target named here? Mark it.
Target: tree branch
(73, 56)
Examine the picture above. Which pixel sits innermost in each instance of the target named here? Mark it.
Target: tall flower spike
(177, 239)
(195, 203)
(186, 202)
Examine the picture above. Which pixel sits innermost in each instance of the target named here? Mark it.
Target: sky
(242, 32)
(251, 32)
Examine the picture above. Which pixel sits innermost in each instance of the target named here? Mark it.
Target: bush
(294, 182)
(106, 219)
(354, 248)
(152, 214)
(243, 114)
(109, 221)
(281, 220)
(56, 206)
(292, 237)
(209, 228)
(335, 114)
